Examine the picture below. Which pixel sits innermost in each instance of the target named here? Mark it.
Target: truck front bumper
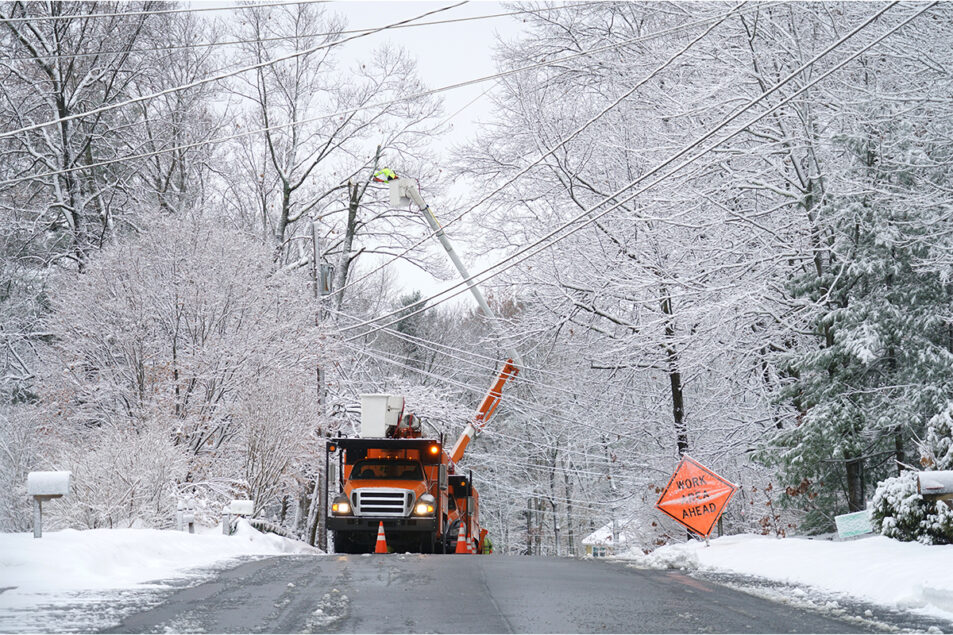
(371, 523)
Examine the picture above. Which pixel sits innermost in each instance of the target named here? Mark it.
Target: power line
(87, 16)
(347, 111)
(221, 76)
(524, 253)
(197, 45)
(480, 392)
(561, 143)
(442, 349)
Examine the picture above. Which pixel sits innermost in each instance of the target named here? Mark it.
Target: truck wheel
(450, 538)
(342, 544)
(426, 545)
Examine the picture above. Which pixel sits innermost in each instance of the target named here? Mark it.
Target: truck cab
(394, 481)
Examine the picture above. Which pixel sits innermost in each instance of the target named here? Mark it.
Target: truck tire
(342, 544)
(450, 537)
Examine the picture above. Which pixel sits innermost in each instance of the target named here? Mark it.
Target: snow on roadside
(898, 575)
(66, 562)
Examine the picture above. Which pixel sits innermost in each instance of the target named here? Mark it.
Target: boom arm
(406, 189)
(485, 411)
(400, 191)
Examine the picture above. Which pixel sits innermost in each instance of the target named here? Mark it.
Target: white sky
(446, 54)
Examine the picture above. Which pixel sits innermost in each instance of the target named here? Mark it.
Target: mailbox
(48, 484)
(44, 486)
(241, 508)
(234, 509)
(935, 486)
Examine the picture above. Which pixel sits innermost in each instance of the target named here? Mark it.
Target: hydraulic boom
(402, 191)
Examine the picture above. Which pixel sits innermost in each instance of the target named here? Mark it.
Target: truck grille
(370, 501)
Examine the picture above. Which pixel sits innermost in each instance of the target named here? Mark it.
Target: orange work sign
(695, 496)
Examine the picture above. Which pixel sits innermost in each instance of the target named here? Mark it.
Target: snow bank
(68, 561)
(900, 575)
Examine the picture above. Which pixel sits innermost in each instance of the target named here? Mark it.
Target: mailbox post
(44, 486)
(185, 516)
(236, 509)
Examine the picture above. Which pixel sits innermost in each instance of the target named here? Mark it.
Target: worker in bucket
(384, 175)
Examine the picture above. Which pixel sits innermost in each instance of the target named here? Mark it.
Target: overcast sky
(446, 53)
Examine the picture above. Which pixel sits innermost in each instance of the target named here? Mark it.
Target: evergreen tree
(883, 365)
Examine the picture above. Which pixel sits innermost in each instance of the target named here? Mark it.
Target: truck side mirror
(442, 477)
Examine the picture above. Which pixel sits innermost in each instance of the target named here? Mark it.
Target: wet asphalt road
(467, 594)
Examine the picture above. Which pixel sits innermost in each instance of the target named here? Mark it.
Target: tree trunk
(570, 535)
(313, 514)
(538, 530)
(529, 528)
(898, 450)
(855, 485)
(675, 378)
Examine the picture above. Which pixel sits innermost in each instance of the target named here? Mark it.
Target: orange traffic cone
(462, 541)
(381, 546)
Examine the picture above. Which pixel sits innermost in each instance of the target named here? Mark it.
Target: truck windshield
(401, 470)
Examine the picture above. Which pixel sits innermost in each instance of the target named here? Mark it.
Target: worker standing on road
(487, 545)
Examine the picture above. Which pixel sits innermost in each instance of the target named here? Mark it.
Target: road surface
(467, 594)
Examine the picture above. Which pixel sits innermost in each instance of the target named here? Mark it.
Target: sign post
(695, 496)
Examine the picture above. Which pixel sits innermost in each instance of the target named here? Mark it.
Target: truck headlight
(425, 505)
(341, 506)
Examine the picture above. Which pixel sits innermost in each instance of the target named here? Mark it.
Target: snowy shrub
(18, 457)
(122, 477)
(158, 358)
(277, 422)
(900, 512)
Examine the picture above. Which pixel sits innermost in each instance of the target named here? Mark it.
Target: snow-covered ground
(38, 577)
(897, 575)
(81, 580)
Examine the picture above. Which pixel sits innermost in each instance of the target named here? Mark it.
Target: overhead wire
(553, 236)
(518, 403)
(279, 38)
(442, 349)
(470, 353)
(221, 76)
(582, 216)
(88, 16)
(380, 356)
(347, 111)
(562, 142)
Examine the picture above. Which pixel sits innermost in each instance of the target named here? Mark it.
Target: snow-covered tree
(186, 334)
(882, 363)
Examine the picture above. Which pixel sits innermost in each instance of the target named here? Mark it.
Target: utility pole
(321, 278)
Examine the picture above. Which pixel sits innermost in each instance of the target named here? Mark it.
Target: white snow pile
(898, 575)
(69, 561)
